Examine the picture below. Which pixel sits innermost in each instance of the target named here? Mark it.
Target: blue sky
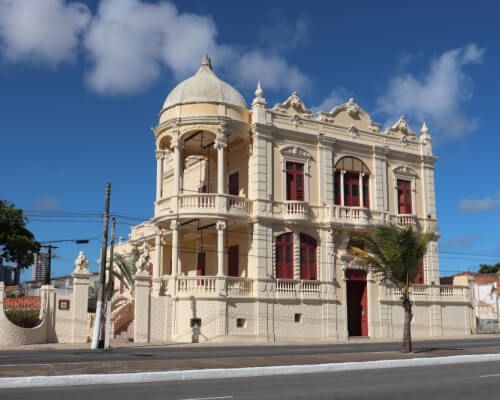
(81, 83)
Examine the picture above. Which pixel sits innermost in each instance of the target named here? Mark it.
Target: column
(160, 156)
(157, 266)
(174, 227)
(221, 226)
(220, 145)
(342, 187)
(177, 146)
(361, 194)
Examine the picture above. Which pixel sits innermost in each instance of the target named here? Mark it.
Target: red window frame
(351, 189)
(284, 256)
(405, 205)
(308, 257)
(295, 181)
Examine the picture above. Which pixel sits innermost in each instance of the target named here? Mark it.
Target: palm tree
(395, 253)
(124, 268)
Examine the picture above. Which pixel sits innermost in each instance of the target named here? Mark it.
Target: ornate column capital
(160, 154)
(220, 225)
(220, 142)
(176, 143)
(174, 225)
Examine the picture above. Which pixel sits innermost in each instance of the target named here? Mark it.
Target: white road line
(488, 376)
(209, 398)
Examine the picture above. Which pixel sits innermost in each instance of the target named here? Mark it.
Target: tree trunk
(407, 345)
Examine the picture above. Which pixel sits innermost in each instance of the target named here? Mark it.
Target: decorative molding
(401, 127)
(296, 152)
(404, 170)
(293, 105)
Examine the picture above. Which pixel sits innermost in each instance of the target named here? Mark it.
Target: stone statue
(81, 264)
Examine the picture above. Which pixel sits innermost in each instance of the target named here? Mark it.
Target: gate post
(80, 300)
(141, 307)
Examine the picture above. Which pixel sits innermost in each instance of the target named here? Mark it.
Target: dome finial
(424, 129)
(206, 61)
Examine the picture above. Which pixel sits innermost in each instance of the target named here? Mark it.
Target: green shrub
(23, 318)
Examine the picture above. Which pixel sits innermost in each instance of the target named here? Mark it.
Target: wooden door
(294, 181)
(308, 249)
(233, 261)
(404, 197)
(357, 303)
(234, 184)
(284, 256)
(200, 264)
(351, 189)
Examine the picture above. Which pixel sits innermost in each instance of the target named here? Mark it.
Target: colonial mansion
(254, 215)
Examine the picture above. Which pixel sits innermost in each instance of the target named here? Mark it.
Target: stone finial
(206, 61)
(424, 130)
(81, 263)
(425, 136)
(259, 99)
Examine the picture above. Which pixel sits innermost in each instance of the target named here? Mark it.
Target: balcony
(293, 288)
(296, 211)
(428, 293)
(213, 286)
(202, 205)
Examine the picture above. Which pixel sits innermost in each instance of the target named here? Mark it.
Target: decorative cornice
(296, 152)
(293, 105)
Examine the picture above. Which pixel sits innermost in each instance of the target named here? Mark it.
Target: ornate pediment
(351, 115)
(405, 170)
(295, 152)
(401, 127)
(293, 106)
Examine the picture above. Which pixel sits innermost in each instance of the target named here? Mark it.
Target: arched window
(308, 265)
(352, 183)
(284, 256)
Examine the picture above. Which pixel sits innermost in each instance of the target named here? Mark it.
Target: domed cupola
(204, 87)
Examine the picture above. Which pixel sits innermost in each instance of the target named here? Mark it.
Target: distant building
(485, 290)
(40, 267)
(9, 275)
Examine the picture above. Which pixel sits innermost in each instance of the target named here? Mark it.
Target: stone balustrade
(419, 293)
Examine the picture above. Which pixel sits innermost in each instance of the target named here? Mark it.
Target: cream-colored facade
(240, 247)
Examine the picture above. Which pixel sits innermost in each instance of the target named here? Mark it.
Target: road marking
(488, 376)
(209, 398)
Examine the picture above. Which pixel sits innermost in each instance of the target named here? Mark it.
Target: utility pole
(109, 294)
(102, 273)
(49, 263)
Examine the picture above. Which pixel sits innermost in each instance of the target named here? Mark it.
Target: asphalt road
(455, 382)
(202, 352)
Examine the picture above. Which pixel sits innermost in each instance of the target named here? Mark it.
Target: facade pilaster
(380, 169)
(158, 264)
(160, 157)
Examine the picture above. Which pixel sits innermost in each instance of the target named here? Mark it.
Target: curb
(227, 373)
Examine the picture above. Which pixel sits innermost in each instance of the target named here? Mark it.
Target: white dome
(204, 87)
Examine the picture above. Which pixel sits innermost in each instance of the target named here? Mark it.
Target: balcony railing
(204, 203)
(428, 293)
(239, 286)
(196, 284)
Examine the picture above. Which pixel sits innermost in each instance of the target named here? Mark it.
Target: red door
(294, 181)
(234, 184)
(357, 304)
(284, 256)
(233, 261)
(404, 197)
(200, 264)
(308, 246)
(351, 189)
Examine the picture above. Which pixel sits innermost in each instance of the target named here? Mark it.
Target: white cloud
(130, 41)
(335, 97)
(480, 205)
(46, 203)
(438, 97)
(282, 34)
(271, 69)
(460, 242)
(45, 31)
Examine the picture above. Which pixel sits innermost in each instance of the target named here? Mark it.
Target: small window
(241, 322)
(195, 322)
(297, 317)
